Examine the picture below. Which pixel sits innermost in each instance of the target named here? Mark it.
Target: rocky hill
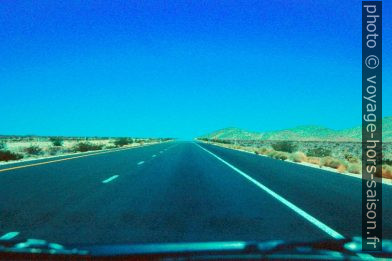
(301, 133)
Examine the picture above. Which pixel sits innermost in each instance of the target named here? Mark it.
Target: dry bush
(271, 153)
(387, 161)
(314, 160)
(6, 155)
(319, 152)
(282, 155)
(120, 142)
(3, 145)
(298, 156)
(330, 162)
(56, 141)
(355, 168)
(278, 155)
(351, 158)
(86, 146)
(33, 150)
(341, 168)
(53, 150)
(285, 146)
(387, 171)
(250, 149)
(262, 151)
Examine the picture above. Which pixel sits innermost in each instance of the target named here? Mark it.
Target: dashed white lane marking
(154, 156)
(110, 179)
(140, 163)
(9, 235)
(288, 204)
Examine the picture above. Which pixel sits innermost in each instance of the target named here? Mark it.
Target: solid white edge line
(9, 235)
(110, 179)
(290, 205)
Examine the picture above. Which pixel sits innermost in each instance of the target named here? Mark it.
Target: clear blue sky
(181, 68)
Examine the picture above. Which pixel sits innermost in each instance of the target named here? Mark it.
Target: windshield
(147, 122)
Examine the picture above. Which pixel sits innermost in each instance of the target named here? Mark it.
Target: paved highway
(178, 192)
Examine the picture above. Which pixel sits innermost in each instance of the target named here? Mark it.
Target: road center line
(140, 163)
(110, 179)
(288, 204)
(9, 235)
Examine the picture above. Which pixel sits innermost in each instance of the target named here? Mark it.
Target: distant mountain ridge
(302, 133)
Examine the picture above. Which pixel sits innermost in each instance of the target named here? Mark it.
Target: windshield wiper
(342, 247)
(338, 249)
(37, 246)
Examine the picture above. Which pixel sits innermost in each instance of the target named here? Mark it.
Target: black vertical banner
(371, 126)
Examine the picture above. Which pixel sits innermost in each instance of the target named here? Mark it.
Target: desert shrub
(67, 149)
(263, 151)
(247, 149)
(271, 153)
(285, 146)
(341, 168)
(350, 158)
(87, 146)
(139, 141)
(33, 150)
(122, 142)
(355, 168)
(278, 155)
(110, 146)
(298, 156)
(281, 155)
(314, 160)
(223, 141)
(3, 145)
(6, 155)
(56, 141)
(54, 150)
(387, 162)
(319, 152)
(331, 162)
(387, 171)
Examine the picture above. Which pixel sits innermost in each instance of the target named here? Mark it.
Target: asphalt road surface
(178, 192)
